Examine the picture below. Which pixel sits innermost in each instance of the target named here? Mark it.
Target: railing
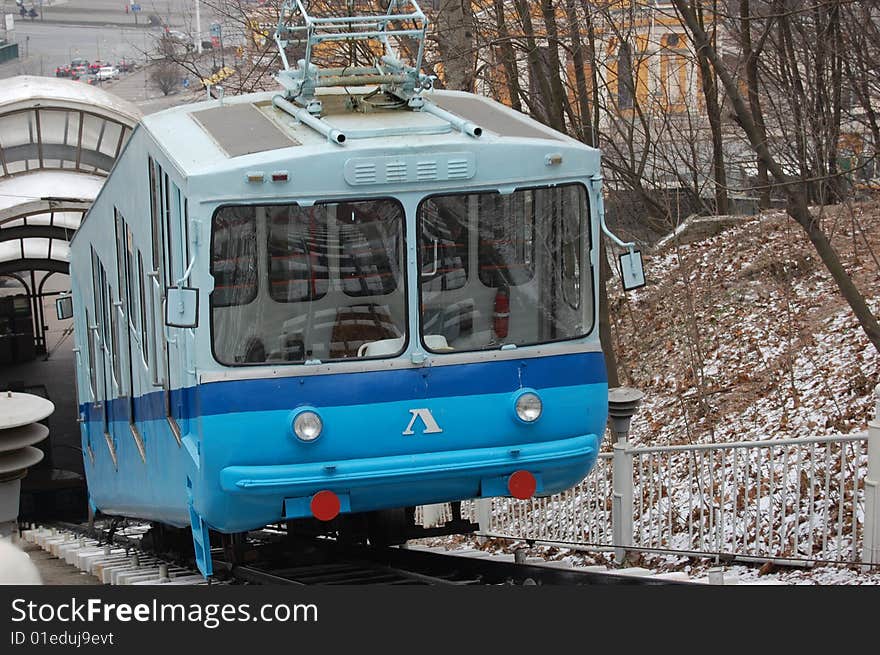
(813, 499)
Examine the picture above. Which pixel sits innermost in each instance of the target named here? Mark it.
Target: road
(179, 14)
(92, 29)
(43, 46)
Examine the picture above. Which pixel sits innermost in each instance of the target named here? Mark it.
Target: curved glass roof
(58, 141)
(35, 227)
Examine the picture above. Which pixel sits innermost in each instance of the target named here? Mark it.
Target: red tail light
(325, 505)
(522, 485)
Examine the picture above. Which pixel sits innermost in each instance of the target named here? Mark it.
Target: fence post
(484, 513)
(871, 535)
(622, 499)
(623, 402)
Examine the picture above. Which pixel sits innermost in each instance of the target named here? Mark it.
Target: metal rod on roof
(302, 115)
(462, 125)
(345, 36)
(348, 70)
(361, 80)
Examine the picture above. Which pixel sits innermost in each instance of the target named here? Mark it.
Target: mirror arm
(186, 273)
(596, 181)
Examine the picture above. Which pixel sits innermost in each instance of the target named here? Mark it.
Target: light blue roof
(198, 143)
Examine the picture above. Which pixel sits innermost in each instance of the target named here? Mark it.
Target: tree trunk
(751, 65)
(583, 126)
(508, 56)
(543, 107)
(558, 97)
(455, 41)
(713, 111)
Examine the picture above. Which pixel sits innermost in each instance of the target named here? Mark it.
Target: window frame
(589, 326)
(404, 289)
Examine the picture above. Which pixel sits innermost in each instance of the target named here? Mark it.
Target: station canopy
(58, 141)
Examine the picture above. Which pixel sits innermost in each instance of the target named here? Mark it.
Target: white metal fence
(802, 499)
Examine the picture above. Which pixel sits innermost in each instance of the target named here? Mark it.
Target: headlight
(307, 426)
(529, 407)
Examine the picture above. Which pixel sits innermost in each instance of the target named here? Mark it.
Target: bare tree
(165, 75)
(799, 79)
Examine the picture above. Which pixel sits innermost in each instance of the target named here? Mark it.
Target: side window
(154, 212)
(110, 315)
(118, 310)
(104, 315)
(120, 254)
(184, 223)
(297, 248)
(234, 256)
(166, 215)
(93, 364)
(145, 325)
(443, 242)
(130, 277)
(98, 297)
(506, 238)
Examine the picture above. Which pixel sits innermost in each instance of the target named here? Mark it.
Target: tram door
(129, 332)
(175, 236)
(166, 356)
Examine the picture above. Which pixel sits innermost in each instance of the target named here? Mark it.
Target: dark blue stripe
(343, 389)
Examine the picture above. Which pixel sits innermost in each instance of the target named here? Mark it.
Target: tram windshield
(293, 283)
(505, 269)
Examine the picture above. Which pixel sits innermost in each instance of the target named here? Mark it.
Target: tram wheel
(164, 539)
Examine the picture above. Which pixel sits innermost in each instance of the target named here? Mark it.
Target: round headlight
(307, 426)
(529, 407)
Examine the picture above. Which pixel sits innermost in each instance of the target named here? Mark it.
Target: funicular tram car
(283, 314)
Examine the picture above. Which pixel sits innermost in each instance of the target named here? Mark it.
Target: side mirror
(64, 307)
(631, 272)
(181, 307)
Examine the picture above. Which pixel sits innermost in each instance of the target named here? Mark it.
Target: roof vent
(410, 168)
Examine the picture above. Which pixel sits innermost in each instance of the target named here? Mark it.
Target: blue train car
(288, 314)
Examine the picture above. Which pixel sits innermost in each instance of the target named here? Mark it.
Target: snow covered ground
(744, 336)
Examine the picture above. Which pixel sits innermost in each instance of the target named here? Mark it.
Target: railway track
(115, 555)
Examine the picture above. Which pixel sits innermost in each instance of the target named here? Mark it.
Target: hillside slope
(744, 335)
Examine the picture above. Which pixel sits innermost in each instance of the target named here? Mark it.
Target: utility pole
(198, 28)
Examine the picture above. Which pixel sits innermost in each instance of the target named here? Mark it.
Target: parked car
(126, 66)
(107, 73)
(62, 71)
(180, 38)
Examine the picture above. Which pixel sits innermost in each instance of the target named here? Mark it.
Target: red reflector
(522, 485)
(279, 177)
(325, 505)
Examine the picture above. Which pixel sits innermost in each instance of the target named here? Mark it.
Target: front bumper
(392, 481)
